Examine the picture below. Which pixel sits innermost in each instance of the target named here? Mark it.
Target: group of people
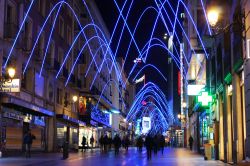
(155, 143)
(84, 143)
(106, 143)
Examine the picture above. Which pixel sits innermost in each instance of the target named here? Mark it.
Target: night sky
(157, 56)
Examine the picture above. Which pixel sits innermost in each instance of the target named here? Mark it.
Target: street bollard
(65, 150)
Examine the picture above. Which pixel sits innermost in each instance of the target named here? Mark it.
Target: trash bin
(65, 150)
(208, 151)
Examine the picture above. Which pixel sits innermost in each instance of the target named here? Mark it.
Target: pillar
(247, 105)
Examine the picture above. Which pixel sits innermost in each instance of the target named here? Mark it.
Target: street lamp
(213, 16)
(74, 98)
(179, 116)
(11, 72)
(8, 77)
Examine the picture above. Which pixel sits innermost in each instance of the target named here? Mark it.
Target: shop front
(17, 117)
(67, 130)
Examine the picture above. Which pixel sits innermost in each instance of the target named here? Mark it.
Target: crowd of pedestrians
(153, 143)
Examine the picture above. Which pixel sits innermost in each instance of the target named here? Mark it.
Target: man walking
(191, 140)
(83, 144)
(28, 140)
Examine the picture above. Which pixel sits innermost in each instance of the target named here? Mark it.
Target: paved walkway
(171, 157)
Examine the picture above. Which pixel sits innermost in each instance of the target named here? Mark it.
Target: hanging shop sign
(10, 86)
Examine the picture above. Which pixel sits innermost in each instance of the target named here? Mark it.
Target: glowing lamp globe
(213, 17)
(74, 98)
(11, 72)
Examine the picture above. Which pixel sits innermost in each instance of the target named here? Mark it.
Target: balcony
(10, 30)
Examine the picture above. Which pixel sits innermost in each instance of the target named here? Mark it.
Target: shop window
(39, 85)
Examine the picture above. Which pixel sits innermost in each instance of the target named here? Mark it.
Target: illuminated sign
(194, 90)
(11, 86)
(205, 99)
(146, 124)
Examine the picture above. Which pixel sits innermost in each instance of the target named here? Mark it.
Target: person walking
(139, 143)
(117, 143)
(155, 143)
(101, 143)
(84, 143)
(191, 140)
(28, 140)
(162, 143)
(148, 144)
(92, 142)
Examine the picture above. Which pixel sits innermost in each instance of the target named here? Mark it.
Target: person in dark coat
(101, 143)
(92, 142)
(149, 145)
(28, 140)
(105, 143)
(191, 140)
(155, 143)
(84, 143)
(117, 143)
(162, 143)
(140, 143)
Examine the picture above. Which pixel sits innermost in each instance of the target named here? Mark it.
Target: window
(60, 55)
(59, 96)
(69, 35)
(10, 24)
(52, 17)
(51, 52)
(248, 48)
(61, 27)
(28, 34)
(39, 85)
(41, 7)
(110, 90)
(84, 82)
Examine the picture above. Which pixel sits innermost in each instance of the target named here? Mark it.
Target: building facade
(225, 67)
(45, 102)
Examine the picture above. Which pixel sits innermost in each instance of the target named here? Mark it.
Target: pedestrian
(162, 143)
(117, 143)
(105, 143)
(84, 143)
(155, 143)
(140, 143)
(101, 143)
(126, 143)
(148, 144)
(191, 140)
(28, 140)
(92, 142)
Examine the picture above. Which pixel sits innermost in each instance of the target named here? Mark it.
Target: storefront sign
(146, 124)
(194, 90)
(12, 115)
(27, 105)
(11, 86)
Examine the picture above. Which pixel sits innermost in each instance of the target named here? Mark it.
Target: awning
(25, 106)
(70, 119)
